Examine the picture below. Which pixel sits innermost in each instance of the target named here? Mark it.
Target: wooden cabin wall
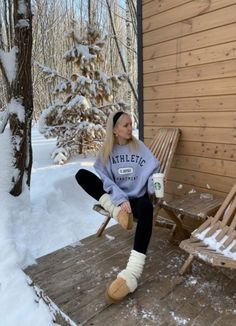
(189, 81)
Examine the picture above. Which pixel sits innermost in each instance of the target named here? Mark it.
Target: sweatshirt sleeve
(109, 186)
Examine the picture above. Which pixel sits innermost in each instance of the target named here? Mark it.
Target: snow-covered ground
(56, 213)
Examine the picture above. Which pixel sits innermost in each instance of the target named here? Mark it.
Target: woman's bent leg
(90, 183)
(94, 187)
(143, 211)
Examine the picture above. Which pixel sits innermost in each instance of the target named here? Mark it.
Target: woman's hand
(126, 207)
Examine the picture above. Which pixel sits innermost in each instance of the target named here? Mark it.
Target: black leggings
(142, 208)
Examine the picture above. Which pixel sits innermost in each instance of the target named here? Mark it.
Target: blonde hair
(110, 139)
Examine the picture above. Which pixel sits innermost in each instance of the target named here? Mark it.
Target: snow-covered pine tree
(83, 101)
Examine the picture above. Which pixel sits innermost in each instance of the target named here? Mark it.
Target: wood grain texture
(196, 24)
(219, 35)
(192, 119)
(155, 7)
(195, 104)
(225, 86)
(79, 288)
(202, 134)
(208, 71)
(189, 78)
(215, 53)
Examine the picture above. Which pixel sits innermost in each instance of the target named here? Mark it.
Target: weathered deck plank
(75, 278)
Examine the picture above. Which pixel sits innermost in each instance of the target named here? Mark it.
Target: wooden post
(103, 226)
(186, 264)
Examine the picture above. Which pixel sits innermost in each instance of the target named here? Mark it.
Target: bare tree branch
(130, 48)
(133, 14)
(119, 51)
(4, 121)
(5, 78)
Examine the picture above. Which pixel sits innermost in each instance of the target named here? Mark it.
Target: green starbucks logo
(157, 185)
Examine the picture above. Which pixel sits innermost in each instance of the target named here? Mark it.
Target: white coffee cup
(158, 184)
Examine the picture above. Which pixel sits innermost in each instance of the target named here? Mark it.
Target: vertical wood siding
(189, 66)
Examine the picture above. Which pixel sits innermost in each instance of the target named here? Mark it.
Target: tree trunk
(11, 31)
(23, 94)
(89, 12)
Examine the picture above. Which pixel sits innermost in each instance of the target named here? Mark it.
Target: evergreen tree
(83, 102)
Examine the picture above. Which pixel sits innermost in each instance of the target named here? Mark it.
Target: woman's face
(123, 129)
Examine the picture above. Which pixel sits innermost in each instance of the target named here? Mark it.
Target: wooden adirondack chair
(215, 240)
(163, 147)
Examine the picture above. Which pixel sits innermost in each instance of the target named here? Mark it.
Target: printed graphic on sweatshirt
(126, 178)
(125, 170)
(127, 158)
(125, 174)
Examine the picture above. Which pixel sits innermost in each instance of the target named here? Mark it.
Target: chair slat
(225, 204)
(213, 229)
(222, 233)
(203, 226)
(228, 241)
(227, 219)
(233, 249)
(166, 151)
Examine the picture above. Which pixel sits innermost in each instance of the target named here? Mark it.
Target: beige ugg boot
(127, 280)
(123, 218)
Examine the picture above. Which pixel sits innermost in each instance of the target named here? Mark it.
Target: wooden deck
(75, 277)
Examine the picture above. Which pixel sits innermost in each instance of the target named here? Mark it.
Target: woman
(125, 166)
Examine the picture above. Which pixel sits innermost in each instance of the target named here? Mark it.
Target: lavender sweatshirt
(127, 174)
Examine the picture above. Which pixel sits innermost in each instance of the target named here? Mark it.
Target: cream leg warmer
(133, 270)
(106, 202)
(123, 218)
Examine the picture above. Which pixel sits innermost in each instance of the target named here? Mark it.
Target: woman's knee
(81, 175)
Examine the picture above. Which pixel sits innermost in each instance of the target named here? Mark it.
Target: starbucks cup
(158, 184)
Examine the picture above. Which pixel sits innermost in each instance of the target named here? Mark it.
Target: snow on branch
(79, 101)
(23, 21)
(22, 9)
(8, 60)
(50, 74)
(79, 51)
(15, 107)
